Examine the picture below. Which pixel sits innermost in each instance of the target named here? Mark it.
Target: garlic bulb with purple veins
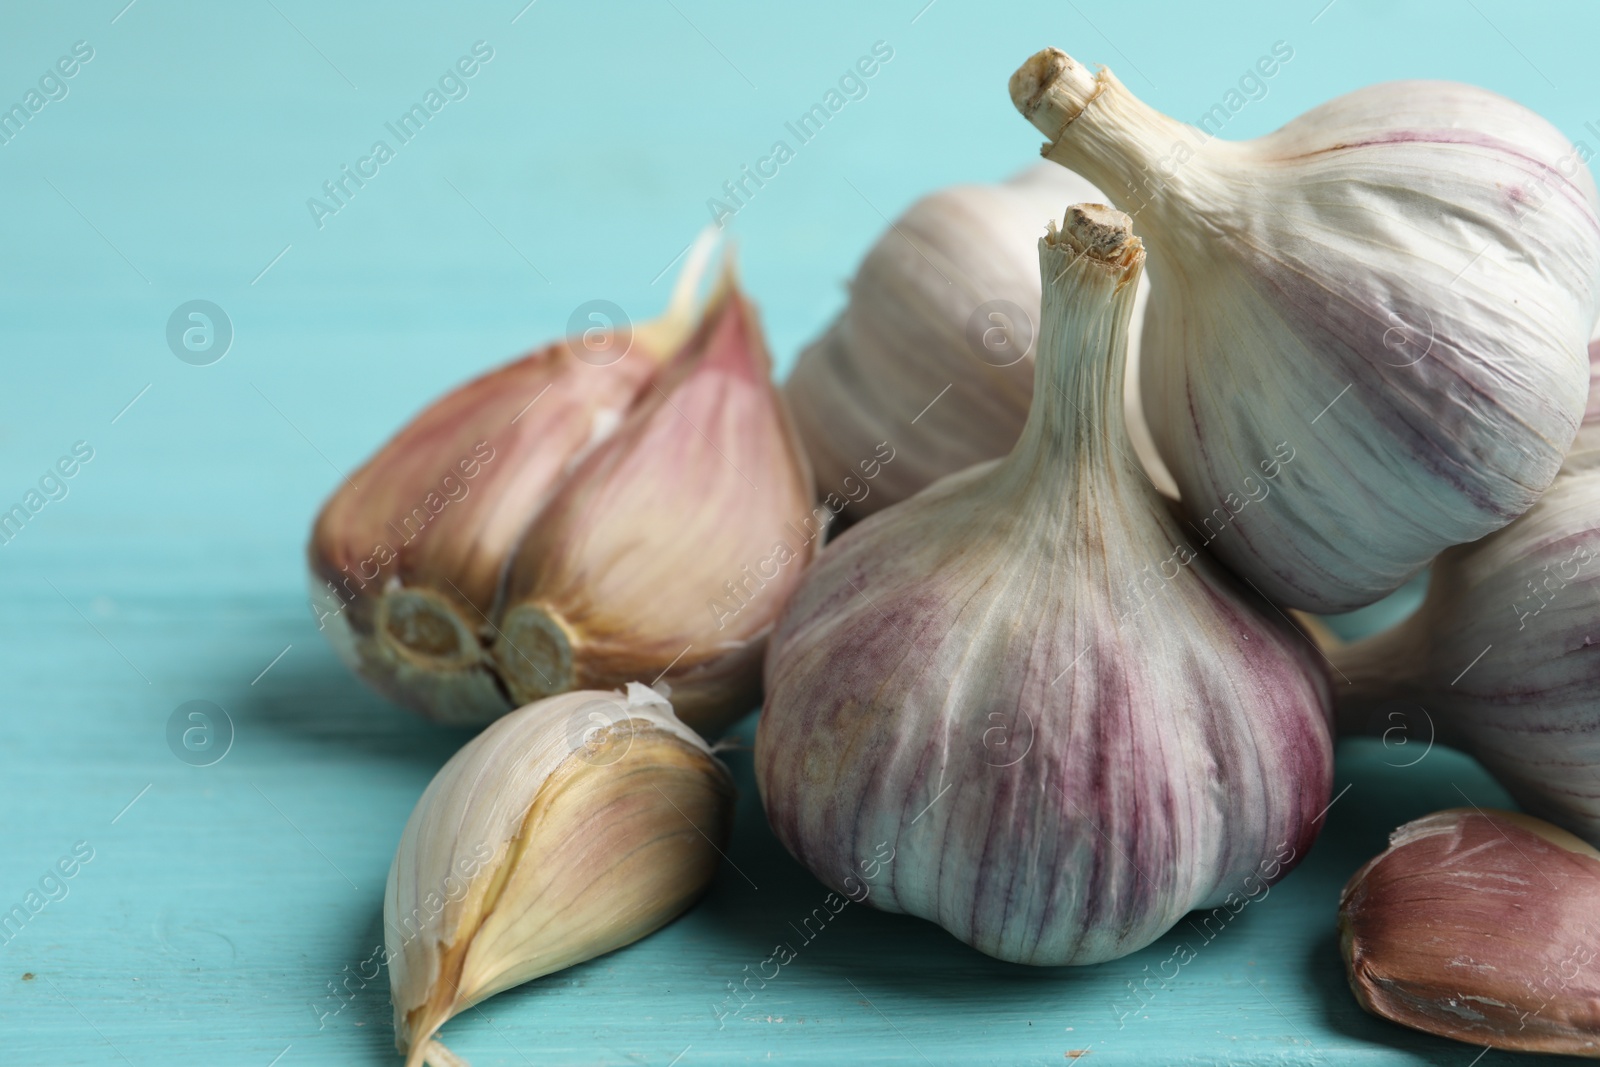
(1398, 284)
(407, 554)
(1070, 726)
(668, 553)
(1503, 658)
(931, 361)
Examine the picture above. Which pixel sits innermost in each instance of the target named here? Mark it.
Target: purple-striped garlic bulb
(931, 361)
(1398, 283)
(1046, 721)
(1502, 659)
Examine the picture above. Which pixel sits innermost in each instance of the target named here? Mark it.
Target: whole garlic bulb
(406, 556)
(1070, 726)
(565, 830)
(668, 553)
(934, 352)
(1502, 659)
(1398, 283)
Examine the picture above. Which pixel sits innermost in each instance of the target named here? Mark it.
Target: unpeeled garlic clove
(1070, 726)
(406, 556)
(669, 552)
(1479, 926)
(1502, 659)
(565, 830)
(1398, 283)
(934, 352)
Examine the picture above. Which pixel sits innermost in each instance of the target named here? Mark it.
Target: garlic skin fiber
(1479, 926)
(926, 354)
(406, 556)
(1071, 728)
(1503, 656)
(565, 830)
(1398, 283)
(669, 551)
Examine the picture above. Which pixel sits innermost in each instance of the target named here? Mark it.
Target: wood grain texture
(219, 907)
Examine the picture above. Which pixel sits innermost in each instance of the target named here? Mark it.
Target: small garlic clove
(565, 830)
(406, 556)
(933, 354)
(1479, 926)
(1397, 285)
(669, 552)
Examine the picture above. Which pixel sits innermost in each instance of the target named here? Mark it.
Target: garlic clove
(1070, 727)
(406, 556)
(1342, 285)
(565, 830)
(1479, 926)
(1500, 659)
(669, 552)
(933, 354)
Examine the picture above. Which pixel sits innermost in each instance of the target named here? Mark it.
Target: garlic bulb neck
(1076, 419)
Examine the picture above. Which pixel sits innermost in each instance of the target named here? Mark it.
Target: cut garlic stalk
(934, 352)
(1479, 926)
(1071, 727)
(669, 552)
(1398, 284)
(565, 830)
(407, 554)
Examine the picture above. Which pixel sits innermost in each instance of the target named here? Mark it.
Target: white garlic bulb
(1503, 658)
(1070, 726)
(1398, 283)
(567, 829)
(934, 353)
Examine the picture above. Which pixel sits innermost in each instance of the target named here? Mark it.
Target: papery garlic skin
(407, 555)
(565, 830)
(1399, 283)
(1070, 727)
(1502, 660)
(669, 552)
(1479, 926)
(926, 355)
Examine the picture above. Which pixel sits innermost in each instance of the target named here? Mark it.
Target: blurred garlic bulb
(668, 553)
(1503, 658)
(565, 830)
(1479, 926)
(1070, 727)
(1397, 283)
(934, 352)
(406, 556)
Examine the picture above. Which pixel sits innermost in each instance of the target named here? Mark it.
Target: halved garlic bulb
(934, 352)
(1398, 284)
(668, 553)
(407, 554)
(1502, 659)
(565, 830)
(1071, 727)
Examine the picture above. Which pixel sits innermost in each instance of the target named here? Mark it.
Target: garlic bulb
(566, 829)
(1501, 659)
(1397, 283)
(668, 553)
(934, 352)
(1071, 727)
(406, 556)
(1479, 926)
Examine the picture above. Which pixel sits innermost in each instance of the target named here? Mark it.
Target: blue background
(219, 906)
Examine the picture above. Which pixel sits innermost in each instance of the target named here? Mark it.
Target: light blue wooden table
(175, 164)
